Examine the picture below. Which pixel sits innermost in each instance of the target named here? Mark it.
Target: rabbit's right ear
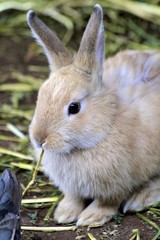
(90, 56)
(58, 56)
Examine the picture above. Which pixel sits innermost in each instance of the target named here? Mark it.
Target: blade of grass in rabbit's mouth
(34, 173)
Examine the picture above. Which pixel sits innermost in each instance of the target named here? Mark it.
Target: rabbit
(98, 123)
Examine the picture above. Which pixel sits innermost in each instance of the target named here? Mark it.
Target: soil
(14, 55)
(110, 230)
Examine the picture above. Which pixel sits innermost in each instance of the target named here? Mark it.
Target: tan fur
(110, 151)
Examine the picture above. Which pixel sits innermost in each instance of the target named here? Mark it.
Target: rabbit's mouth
(63, 148)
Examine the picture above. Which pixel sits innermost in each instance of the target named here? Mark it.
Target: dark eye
(74, 108)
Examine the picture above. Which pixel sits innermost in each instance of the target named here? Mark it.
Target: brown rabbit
(99, 124)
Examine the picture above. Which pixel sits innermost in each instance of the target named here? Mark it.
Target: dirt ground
(14, 55)
(110, 230)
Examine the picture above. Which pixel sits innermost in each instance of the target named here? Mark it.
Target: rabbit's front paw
(96, 214)
(68, 209)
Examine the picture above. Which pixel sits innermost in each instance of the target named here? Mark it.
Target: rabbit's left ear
(90, 55)
(57, 54)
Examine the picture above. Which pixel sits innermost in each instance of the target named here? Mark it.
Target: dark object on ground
(10, 200)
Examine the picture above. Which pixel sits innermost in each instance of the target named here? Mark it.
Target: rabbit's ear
(90, 55)
(58, 56)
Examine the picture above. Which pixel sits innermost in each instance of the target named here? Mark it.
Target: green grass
(128, 24)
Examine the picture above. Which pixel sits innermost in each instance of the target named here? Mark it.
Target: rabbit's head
(73, 109)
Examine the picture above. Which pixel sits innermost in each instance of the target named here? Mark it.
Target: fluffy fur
(109, 152)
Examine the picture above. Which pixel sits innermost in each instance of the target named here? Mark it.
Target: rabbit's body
(75, 172)
(127, 72)
(101, 136)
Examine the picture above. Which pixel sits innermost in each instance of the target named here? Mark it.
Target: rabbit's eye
(74, 108)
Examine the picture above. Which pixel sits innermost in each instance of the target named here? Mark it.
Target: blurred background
(23, 67)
